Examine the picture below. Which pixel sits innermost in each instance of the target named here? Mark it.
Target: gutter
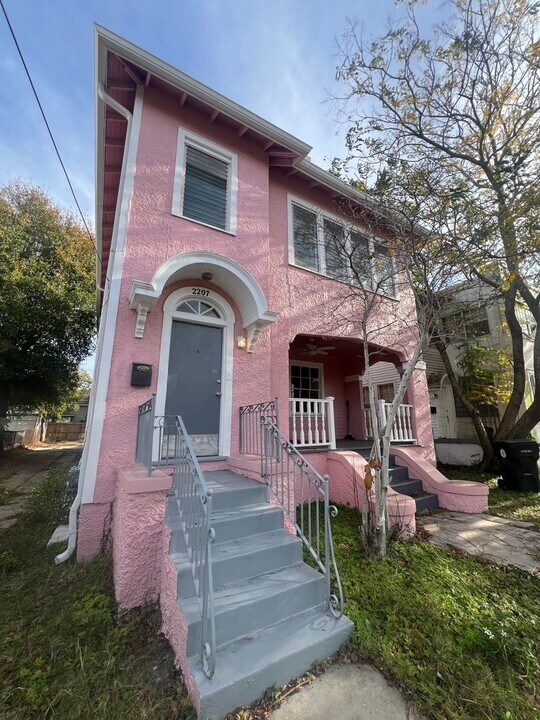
(74, 509)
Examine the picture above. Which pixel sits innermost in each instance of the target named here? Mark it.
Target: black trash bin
(518, 462)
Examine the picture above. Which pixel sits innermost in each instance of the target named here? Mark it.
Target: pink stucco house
(227, 409)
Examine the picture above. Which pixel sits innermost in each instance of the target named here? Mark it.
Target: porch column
(419, 399)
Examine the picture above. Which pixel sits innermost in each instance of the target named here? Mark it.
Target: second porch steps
(401, 483)
(270, 615)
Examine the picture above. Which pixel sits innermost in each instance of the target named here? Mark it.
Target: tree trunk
(513, 408)
(479, 426)
(531, 416)
(4, 398)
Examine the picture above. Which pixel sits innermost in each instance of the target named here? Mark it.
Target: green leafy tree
(47, 300)
(444, 124)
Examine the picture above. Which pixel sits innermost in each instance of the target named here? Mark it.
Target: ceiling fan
(312, 349)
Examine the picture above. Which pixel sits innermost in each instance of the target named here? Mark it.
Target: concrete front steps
(270, 608)
(401, 483)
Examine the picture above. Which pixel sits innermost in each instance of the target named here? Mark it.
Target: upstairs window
(205, 183)
(325, 245)
(306, 252)
(335, 250)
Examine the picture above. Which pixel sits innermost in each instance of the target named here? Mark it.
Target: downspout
(75, 506)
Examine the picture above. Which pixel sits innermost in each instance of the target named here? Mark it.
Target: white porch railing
(402, 430)
(312, 422)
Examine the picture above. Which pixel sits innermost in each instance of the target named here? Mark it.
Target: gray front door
(194, 382)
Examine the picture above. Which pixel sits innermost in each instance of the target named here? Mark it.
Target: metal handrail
(145, 434)
(302, 492)
(250, 424)
(194, 499)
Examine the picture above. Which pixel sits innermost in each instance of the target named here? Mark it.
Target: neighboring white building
(479, 318)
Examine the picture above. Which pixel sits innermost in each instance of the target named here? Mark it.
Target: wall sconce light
(241, 341)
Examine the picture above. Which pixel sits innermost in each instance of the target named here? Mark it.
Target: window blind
(206, 188)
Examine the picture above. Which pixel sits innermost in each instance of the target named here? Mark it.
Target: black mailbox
(141, 374)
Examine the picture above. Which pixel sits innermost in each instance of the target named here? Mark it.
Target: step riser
(234, 569)
(233, 499)
(398, 474)
(406, 488)
(423, 503)
(229, 570)
(245, 691)
(246, 525)
(269, 610)
(231, 529)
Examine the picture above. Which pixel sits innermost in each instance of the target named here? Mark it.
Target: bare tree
(453, 118)
(378, 255)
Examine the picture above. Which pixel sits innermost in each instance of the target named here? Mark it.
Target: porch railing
(312, 422)
(250, 425)
(145, 434)
(194, 499)
(303, 494)
(402, 429)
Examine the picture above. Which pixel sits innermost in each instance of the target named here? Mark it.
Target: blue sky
(275, 57)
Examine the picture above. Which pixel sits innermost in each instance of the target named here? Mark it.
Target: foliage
(64, 650)
(47, 295)
(459, 635)
(68, 398)
(444, 125)
(486, 374)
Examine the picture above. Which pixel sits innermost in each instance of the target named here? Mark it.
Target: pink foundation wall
(304, 300)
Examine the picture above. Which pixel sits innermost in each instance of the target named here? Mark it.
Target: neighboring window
(305, 382)
(326, 246)
(205, 183)
(305, 238)
(386, 392)
(198, 307)
(469, 324)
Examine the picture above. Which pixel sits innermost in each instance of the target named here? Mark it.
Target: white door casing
(226, 322)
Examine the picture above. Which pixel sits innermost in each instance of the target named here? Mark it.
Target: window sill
(342, 282)
(203, 224)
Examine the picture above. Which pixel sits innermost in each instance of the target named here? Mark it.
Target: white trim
(306, 363)
(185, 137)
(227, 321)
(230, 276)
(321, 216)
(91, 450)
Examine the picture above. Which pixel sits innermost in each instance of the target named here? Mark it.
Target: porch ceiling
(342, 348)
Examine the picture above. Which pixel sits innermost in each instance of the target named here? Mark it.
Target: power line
(49, 130)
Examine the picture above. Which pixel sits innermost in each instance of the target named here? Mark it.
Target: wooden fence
(65, 432)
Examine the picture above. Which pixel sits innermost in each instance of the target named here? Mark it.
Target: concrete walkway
(502, 541)
(22, 469)
(347, 692)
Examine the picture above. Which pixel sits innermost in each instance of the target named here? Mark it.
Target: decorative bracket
(252, 332)
(142, 313)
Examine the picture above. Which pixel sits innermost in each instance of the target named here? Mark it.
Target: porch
(329, 402)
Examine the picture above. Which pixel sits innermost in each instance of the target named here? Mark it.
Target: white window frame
(185, 138)
(305, 363)
(323, 215)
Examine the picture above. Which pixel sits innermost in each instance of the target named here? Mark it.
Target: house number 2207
(200, 291)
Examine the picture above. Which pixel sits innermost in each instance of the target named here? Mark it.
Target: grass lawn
(504, 503)
(462, 637)
(64, 653)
